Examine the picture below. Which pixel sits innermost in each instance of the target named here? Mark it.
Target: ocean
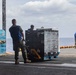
(66, 41)
(62, 42)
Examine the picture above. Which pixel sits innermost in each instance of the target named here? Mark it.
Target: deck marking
(43, 64)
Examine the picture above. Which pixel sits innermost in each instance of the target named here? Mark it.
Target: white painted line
(60, 65)
(69, 65)
(43, 65)
(49, 67)
(7, 62)
(64, 66)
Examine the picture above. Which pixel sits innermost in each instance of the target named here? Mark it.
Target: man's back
(15, 32)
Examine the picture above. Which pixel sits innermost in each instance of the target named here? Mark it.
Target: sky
(57, 14)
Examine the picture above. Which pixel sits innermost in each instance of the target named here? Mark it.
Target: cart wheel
(50, 57)
(55, 56)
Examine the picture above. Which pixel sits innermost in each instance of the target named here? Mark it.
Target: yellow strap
(33, 50)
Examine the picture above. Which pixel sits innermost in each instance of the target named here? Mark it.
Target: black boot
(16, 62)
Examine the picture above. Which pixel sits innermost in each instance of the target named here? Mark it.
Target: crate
(44, 41)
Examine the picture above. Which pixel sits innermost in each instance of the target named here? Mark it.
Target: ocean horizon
(62, 42)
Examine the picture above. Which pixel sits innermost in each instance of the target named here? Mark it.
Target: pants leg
(16, 50)
(16, 54)
(24, 55)
(23, 49)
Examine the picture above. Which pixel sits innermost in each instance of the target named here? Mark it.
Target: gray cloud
(44, 8)
(72, 1)
(48, 6)
(47, 13)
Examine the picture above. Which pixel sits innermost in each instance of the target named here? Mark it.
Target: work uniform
(16, 34)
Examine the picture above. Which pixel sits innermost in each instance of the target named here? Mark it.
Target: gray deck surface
(65, 64)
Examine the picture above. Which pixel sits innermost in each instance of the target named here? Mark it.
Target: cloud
(42, 10)
(47, 13)
(42, 6)
(46, 7)
(49, 6)
(72, 1)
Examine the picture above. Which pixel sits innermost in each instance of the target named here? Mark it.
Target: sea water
(62, 42)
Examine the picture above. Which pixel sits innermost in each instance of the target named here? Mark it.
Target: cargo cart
(42, 44)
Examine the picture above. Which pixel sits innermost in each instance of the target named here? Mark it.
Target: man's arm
(23, 35)
(22, 32)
